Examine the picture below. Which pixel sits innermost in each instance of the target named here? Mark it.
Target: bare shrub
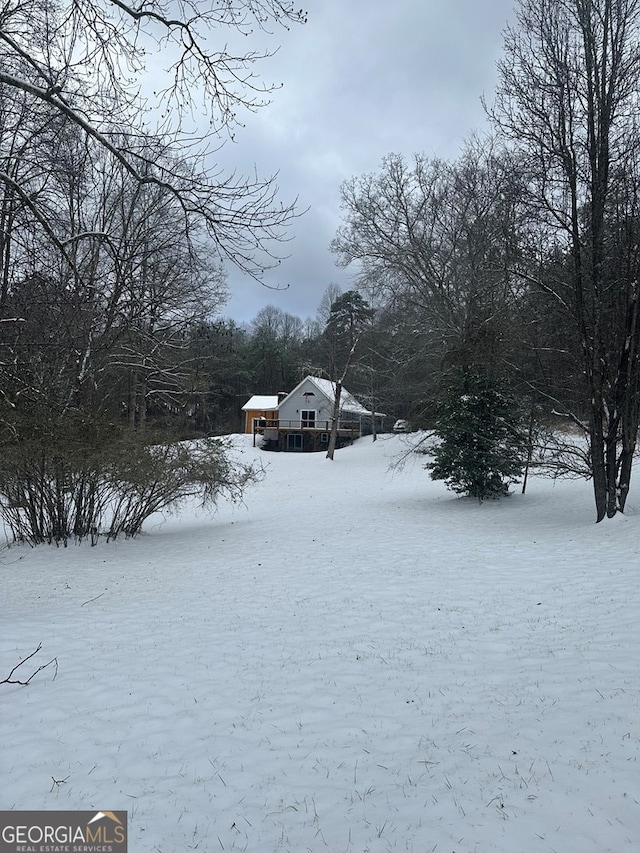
(163, 477)
(81, 480)
(560, 454)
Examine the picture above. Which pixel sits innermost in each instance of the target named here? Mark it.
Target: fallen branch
(92, 599)
(57, 782)
(10, 680)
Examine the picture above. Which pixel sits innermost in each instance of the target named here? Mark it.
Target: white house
(303, 418)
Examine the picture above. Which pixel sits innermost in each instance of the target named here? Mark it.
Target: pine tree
(483, 439)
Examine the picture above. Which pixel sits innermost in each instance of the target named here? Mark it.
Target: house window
(324, 438)
(307, 418)
(294, 441)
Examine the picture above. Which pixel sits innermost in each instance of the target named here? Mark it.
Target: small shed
(259, 408)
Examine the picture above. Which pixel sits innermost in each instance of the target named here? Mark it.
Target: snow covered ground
(356, 660)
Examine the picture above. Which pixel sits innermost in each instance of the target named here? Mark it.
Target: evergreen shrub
(483, 439)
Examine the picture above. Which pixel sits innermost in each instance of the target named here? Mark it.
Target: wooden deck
(314, 435)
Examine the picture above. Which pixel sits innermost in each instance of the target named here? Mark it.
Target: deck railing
(260, 425)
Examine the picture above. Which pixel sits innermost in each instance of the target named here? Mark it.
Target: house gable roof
(327, 388)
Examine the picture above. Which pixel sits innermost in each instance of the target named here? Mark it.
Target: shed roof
(261, 403)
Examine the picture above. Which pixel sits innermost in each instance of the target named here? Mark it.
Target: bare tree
(275, 346)
(439, 240)
(568, 97)
(439, 246)
(131, 288)
(331, 292)
(82, 63)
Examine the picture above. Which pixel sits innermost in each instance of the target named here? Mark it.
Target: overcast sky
(362, 79)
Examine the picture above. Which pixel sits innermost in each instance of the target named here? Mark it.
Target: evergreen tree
(350, 314)
(348, 318)
(483, 439)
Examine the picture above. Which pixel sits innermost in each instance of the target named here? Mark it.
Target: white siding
(291, 407)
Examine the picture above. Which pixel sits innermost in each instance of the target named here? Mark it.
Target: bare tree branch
(10, 680)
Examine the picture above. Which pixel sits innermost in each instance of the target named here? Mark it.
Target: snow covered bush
(483, 442)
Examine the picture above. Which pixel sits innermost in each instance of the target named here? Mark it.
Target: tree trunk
(336, 420)
(133, 397)
(626, 462)
(532, 415)
(598, 467)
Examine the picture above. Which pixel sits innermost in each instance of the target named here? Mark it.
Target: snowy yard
(355, 661)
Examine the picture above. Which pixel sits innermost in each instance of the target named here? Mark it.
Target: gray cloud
(359, 81)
